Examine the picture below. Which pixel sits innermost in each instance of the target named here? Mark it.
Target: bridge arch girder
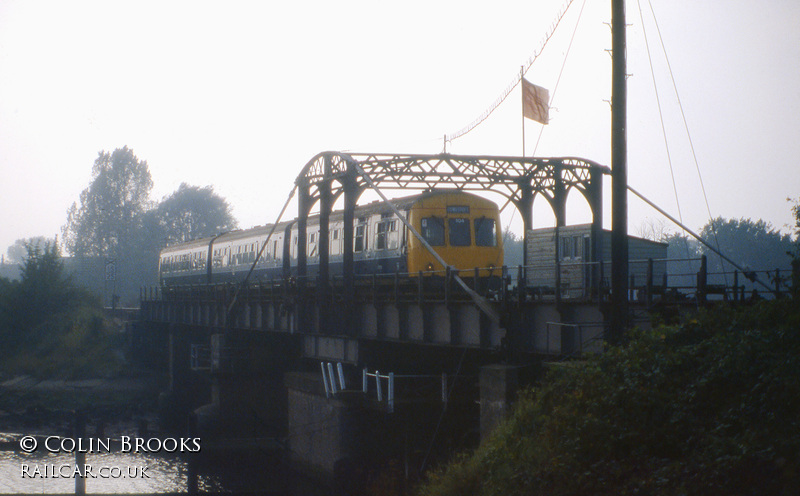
(329, 175)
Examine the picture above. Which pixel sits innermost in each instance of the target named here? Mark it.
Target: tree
(43, 291)
(684, 253)
(18, 251)
(115, 219)
(193, 212)
(654, 230)
(512, 249)
(796, 250)
(111, 207)
(752, 245)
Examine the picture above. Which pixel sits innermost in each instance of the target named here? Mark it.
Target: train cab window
(459, 231)
(485, 232)
(433, 231)
(360, 238)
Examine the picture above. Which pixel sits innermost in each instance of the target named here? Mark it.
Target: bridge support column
(185, 389)
(247, 394)
(321, 430)
(499, 385)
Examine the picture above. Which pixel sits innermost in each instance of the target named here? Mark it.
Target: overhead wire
(688, 134)
(513, 84)
(661, 120)
(560, 73)
(507, 231)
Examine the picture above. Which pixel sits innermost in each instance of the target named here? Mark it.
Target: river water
(109, 473)
(121, 473)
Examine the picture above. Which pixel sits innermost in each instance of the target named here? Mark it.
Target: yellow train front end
(464, 229)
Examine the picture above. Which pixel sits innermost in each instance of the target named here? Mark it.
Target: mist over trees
(193, 212)
(116, 231)
(110, 211)
(18, 251)
(754, 245)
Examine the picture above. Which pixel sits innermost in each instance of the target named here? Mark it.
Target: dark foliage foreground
(711, 406)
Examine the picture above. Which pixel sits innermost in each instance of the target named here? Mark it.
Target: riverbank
(116, 406)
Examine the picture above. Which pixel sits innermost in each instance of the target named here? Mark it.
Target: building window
(566, 248)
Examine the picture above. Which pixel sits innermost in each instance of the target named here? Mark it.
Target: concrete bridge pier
(499, 385)
(349, 438)
(322, 430)
(247, 396)
(187, 389)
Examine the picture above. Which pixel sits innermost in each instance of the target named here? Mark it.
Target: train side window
(312, 244)
(335, 242)
(386, 235)
(392, 236)
(359, 238)
(485, 232)
(433, 231)
(459, 231)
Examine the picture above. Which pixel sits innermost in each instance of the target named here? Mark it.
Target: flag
(535, 102)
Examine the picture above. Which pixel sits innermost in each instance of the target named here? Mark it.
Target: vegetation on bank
(709, 406)
(50, 328)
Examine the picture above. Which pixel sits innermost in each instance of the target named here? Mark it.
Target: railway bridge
(365, 358)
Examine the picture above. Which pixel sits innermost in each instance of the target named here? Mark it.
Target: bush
(706, 407)
(51, 328)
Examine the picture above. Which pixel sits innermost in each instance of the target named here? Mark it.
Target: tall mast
(619, 176)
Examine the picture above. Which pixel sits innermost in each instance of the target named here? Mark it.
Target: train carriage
(462, 228)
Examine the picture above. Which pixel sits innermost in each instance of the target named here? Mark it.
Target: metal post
(340, 369)
(649, 294)
(448, 277)
(192, 485)
(80, 455)
(325, 380)
(632, 287)
(332, 378)
(702, 280)
(390, 399)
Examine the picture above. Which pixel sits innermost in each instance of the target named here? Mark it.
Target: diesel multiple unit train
(462, 228)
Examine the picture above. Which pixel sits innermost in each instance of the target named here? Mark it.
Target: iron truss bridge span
(518, 179)
(330, 175)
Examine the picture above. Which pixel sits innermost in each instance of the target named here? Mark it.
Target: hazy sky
(240, 95)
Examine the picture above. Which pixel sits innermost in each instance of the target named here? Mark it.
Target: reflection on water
(110, 473)
(245, 471)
